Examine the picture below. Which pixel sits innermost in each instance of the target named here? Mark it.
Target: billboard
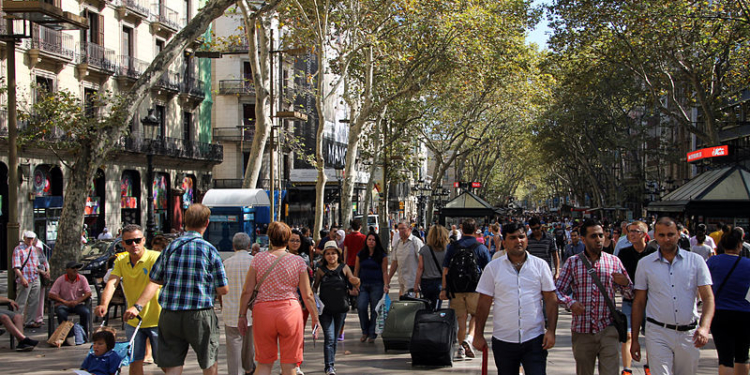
(705, 153)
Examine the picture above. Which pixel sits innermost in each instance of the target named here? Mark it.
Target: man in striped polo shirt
(542, 245)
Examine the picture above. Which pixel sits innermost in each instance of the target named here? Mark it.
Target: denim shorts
(139, 345)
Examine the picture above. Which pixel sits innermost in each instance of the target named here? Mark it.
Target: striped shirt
(573, 274)
(544, 248)
(236, 267)
(191, 270)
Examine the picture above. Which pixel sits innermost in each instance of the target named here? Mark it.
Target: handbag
(262, 279)
(620, 322)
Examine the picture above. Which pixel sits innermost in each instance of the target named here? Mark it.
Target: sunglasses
(132, 241)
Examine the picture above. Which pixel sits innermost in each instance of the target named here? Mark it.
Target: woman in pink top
(276, 313)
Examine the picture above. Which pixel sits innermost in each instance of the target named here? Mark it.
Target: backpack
(463, 271)
(333, 291)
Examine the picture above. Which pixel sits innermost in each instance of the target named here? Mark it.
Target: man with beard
(670, 279)
(517, 283)
(593, 335)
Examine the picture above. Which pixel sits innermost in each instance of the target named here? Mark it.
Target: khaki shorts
(198, 329)
(464, 303)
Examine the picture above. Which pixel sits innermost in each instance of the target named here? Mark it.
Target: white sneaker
(299, 371)
(467, 349)
(331, 371)
(461, 354)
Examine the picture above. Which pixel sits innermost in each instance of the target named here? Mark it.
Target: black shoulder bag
(721, 286)
(621, 322)
(437, 264)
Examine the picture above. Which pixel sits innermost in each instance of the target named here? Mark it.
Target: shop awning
(724, 188)
(236, 198)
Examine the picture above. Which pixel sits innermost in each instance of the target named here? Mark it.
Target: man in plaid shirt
(593, 334)
(191, 274)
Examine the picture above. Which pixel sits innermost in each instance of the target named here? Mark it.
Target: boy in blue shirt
(104, 360)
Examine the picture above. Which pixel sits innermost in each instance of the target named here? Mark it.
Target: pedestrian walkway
(353, 357)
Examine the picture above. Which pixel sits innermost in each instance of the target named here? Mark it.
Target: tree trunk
(68, 244)
(320, 162)
(258, 31)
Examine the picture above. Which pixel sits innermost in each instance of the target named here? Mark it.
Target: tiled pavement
(353, 357)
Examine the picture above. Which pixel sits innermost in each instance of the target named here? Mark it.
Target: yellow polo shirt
(134, 279)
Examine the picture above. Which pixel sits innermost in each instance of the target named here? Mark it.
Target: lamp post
(340, 177)
(152, 122)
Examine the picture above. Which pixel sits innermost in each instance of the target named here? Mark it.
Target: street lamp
(152, 122)
(340, 177)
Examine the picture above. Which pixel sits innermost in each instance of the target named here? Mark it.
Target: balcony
(164, 19)
(236, 87)
(169, 82)
(52, 44)
(3, 123)
(96, 57)
(173, 147)
(130, 69)
(192, 88)
(136, 9)
(47, 12)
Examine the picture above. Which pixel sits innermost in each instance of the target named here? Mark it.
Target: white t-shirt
(703, 250)
(517, 309)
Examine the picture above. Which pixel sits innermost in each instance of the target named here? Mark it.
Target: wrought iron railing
(98, 56)
(131, 67)
(166, 16)
(169, 81)
(194, 87)
(236, 86)
(172, 147)
(52, 41)
(138, 6)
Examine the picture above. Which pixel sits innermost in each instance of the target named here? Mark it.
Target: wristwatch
(138, 307)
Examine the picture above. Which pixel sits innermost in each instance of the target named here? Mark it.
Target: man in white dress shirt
(517, 283)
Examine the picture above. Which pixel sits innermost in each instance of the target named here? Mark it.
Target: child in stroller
(104, 360)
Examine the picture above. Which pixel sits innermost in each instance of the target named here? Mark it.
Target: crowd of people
(677, 288)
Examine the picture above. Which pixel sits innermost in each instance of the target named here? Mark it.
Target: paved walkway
(353, 357)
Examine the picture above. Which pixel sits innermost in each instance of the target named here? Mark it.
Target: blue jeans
(82, 311)
(369, 295)
(431, 291)
(331, 325)
(508, 356)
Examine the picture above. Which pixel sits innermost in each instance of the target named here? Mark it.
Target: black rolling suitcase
(433, 338)
(400, 322)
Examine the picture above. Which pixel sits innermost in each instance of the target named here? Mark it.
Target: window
(127, 41)
(95, 33)
(89, 108)
(187, 126)
(43, 85)
(159, 46)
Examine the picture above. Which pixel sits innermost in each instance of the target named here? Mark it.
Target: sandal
(363, 338)
(34, 325)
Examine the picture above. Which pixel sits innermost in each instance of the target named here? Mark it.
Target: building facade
(122, 39)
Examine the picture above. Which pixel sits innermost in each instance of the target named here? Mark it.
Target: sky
(540, 33)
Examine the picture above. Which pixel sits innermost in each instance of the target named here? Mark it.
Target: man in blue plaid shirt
(190, 273)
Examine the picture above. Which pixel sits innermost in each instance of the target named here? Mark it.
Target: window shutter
(101, 30)
(84, 32)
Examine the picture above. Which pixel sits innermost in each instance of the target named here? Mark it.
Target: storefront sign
(705, 153)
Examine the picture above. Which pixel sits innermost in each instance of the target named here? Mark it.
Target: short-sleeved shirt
(407, 256)
(70, 290)
(191, 270)
(106, 364)
(708, 241)
(236, 267)
(370, 270)
(543, 248)
(281, 284)
(630, 258)
(353, 243)
(134, 278)
(672, 287)
(517, 312)
(732, 296)
(704, 250)
(20, 254)
(431, 270)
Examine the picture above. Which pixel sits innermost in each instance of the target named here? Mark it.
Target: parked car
(95, 258)
(372, 221)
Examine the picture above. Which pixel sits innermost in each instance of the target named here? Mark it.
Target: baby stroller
(124, 349)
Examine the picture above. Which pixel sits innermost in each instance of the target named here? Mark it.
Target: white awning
(236, 198)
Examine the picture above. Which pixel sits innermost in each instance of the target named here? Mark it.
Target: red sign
(476, 184)
(704, 153)
(456, 184)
